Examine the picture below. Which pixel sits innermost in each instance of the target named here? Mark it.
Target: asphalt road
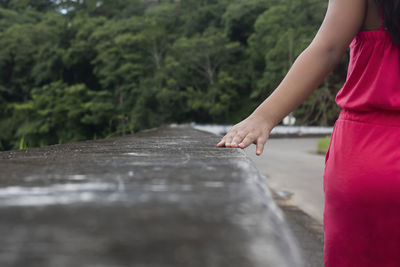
(295, 170)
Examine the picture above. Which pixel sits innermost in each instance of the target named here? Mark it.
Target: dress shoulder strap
(382, 20)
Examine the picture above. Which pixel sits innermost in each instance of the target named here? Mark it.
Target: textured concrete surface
(308, 232)
(161, 198)
(292, 166)
(294, 174)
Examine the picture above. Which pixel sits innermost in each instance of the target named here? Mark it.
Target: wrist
(263, 120)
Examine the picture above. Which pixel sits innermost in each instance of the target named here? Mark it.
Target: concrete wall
(161, 198)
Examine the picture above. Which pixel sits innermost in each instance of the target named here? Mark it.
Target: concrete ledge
(162, 198)
(279, 131)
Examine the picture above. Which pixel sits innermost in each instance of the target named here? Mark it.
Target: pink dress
(362, 165)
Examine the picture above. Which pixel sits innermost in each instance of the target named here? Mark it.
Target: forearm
(342, 22)
(308, 71)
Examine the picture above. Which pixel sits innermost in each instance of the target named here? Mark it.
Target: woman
(362, 171)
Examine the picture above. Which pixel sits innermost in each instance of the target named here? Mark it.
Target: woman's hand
(254, 129)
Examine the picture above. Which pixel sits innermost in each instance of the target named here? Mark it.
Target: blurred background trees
(74, 70)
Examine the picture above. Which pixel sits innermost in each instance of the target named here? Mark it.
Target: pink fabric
(362, 165)
(362, 191)
(373, 78)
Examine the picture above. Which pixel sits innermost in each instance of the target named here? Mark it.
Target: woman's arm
(344, 18)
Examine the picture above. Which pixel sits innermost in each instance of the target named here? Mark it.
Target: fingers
(237, 139)
(221, 143)
(243, 139)
(259, 148)
(252, 130)
(248, 140)
(232, 138)
(260, 144)
(229, 137)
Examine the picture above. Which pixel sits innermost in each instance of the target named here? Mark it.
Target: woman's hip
(363, 159)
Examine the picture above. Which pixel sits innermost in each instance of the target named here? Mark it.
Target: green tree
(71, 70)
(56, 108)
(281, 33)
(240, 16)
(201, 57)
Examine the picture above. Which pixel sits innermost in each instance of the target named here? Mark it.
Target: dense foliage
(74, 70)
